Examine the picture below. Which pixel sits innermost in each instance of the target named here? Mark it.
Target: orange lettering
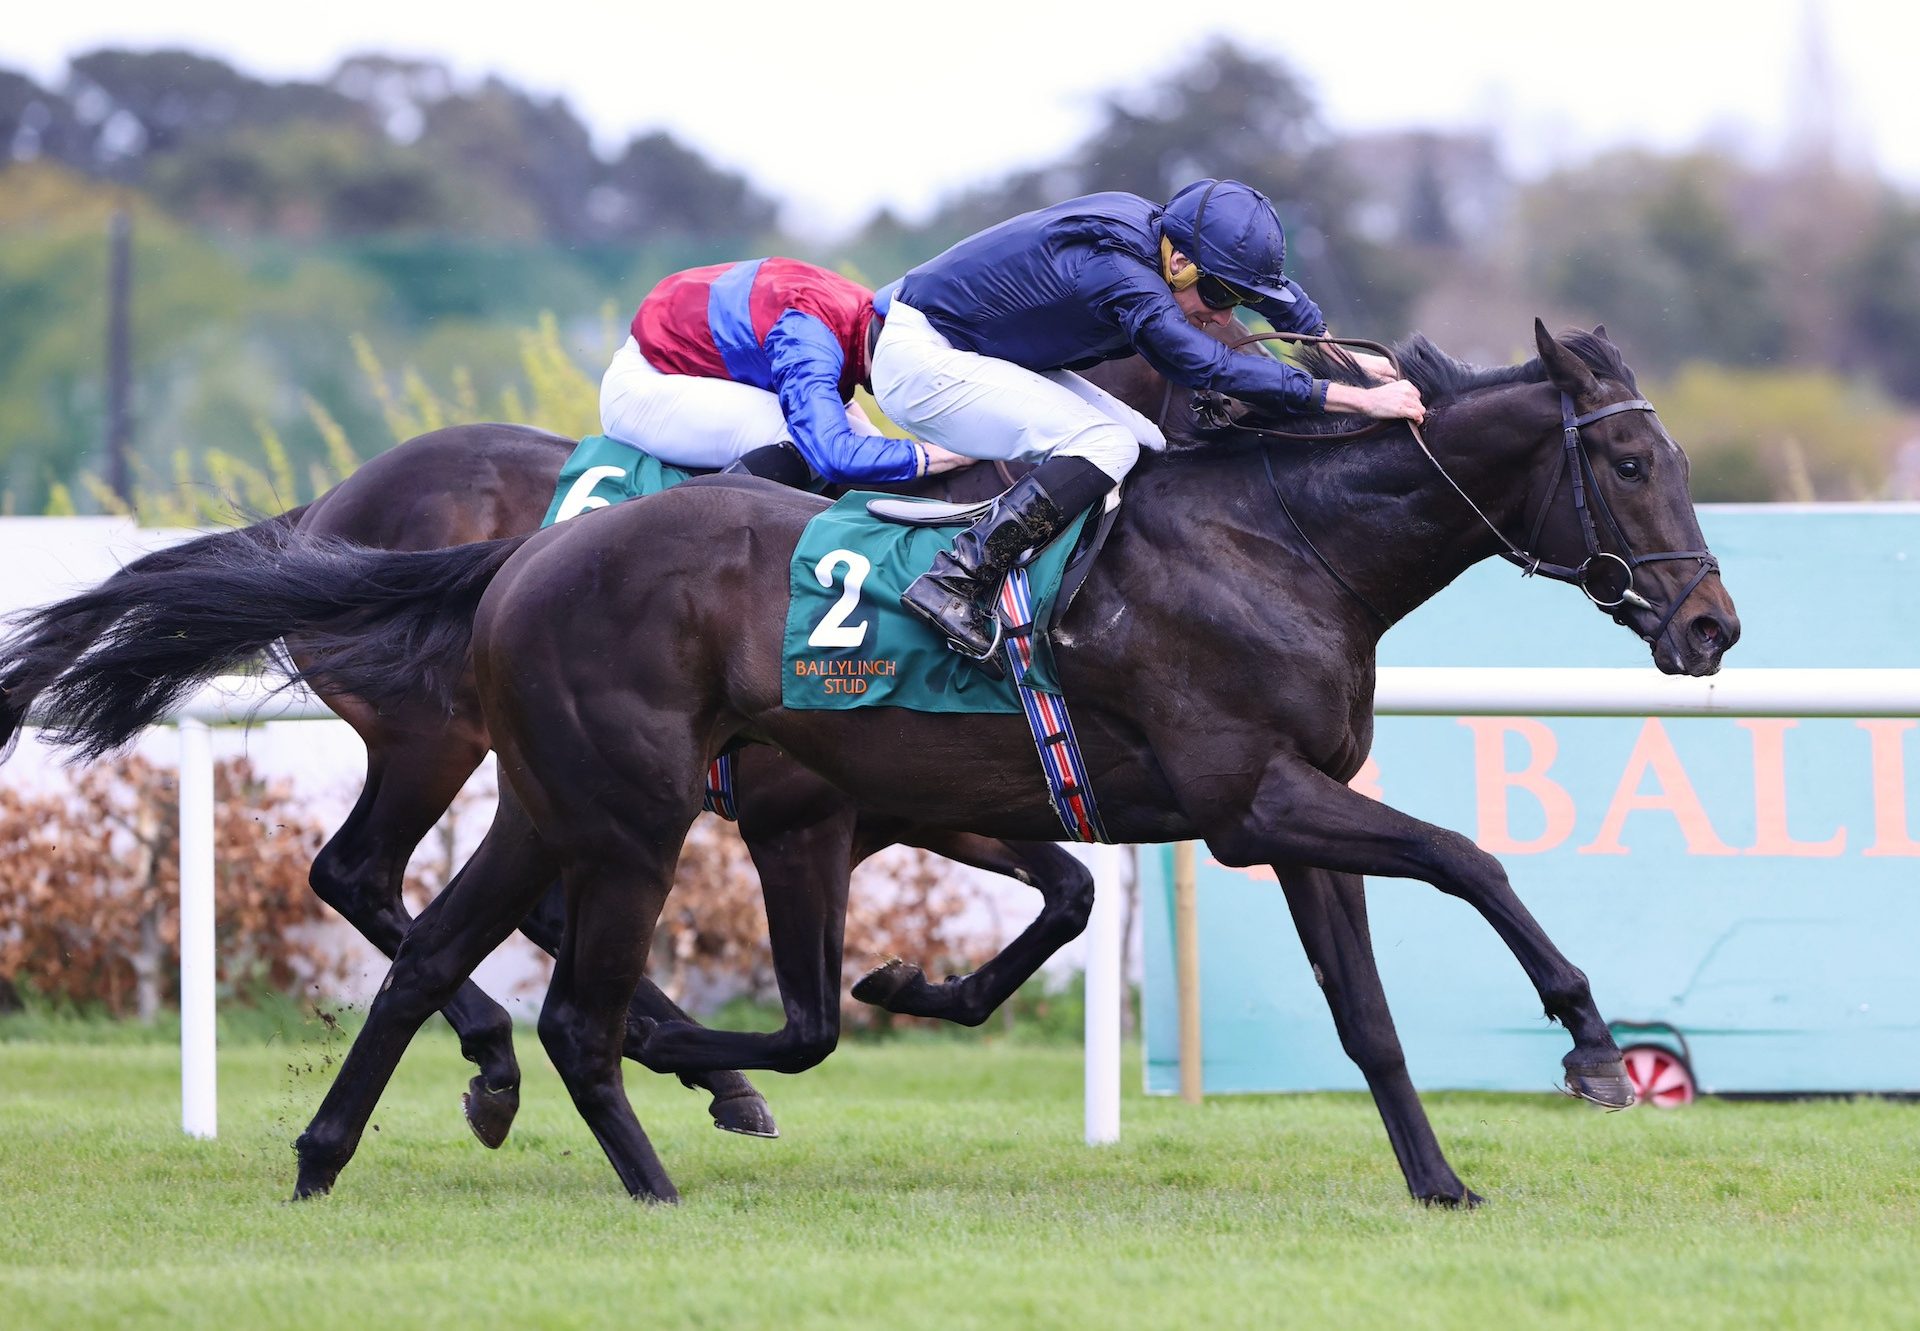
(1890, 835)
(1492, 782)
(1770, 797)
(1654, 751)
(1366, 781)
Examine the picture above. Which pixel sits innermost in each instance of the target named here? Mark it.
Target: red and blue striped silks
(720, 788)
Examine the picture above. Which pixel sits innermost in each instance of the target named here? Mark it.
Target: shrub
(89, 888)
(1779, 435)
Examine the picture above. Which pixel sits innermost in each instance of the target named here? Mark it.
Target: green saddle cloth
(604, 471)
(849, 641)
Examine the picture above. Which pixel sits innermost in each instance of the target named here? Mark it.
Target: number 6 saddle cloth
(604, 471)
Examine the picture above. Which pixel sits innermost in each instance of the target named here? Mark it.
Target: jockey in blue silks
(979, 348)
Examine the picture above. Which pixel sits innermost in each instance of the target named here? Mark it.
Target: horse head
(1559, 465)
(1618, 513)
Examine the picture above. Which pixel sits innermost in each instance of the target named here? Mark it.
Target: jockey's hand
(1379, 368)
(1398, 400)
(941, 460)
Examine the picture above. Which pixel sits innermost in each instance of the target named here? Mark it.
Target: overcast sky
(901, 102)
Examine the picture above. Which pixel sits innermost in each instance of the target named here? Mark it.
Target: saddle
(934, 513)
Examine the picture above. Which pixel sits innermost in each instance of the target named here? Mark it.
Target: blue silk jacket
(1070, 286)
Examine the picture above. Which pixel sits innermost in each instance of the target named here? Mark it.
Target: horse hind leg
(1066, 891)
(804, 858)
(1330, 912)
(474, 915)
(411, 781)
(735, 1105)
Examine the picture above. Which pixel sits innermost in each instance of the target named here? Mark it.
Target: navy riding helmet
(1230, 231)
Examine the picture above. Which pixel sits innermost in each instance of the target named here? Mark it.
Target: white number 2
(833, 630)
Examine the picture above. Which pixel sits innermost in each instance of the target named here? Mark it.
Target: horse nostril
(1708, 631)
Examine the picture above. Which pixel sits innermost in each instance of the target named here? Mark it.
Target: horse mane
(1441, 378)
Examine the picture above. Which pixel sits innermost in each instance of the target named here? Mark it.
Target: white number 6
(580, 496)
(833, 630)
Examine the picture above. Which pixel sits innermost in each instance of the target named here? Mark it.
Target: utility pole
(119, 354)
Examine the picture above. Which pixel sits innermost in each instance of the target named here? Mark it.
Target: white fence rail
(1402, 691)
(1478, 691)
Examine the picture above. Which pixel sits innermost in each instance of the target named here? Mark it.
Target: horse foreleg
(410, 784)
(735, 1105)
(1330, 911)
(474, 915)
(1301, 815)
(1066, 891)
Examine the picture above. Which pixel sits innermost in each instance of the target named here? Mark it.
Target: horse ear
(1565, 369)
(1600, 331)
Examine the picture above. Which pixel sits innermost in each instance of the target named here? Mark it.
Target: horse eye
(1630, 469)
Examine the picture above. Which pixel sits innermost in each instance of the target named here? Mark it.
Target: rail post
(1186, 933)
(199, 1086)
(1105, 984)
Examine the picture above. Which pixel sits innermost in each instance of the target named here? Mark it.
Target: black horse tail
(377, 624)
(49, 640)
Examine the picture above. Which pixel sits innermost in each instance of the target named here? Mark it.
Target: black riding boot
(780, 463)
(957, 594)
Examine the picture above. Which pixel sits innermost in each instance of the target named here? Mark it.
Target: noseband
(1606, 578)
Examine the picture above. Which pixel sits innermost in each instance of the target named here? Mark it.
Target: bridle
(1617, 569)
(1606, 578)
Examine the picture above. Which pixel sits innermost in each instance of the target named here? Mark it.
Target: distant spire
(1820, 135)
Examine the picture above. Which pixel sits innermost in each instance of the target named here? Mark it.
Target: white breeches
(988, 408)
(690, 421)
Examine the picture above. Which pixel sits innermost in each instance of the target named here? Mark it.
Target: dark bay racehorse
(451, 487)
(1220, 660)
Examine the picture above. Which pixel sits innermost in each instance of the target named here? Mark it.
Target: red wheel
(1660, 1077)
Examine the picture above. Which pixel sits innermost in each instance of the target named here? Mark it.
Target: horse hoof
(884, 984)
(308, 1186)
(744, 1112)
(1605, 1085)
(1467, 1200)
(489, 1112)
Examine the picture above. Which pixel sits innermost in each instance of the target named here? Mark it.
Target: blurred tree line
(1775, 311)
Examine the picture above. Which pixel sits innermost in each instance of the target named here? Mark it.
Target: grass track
(937, 1183)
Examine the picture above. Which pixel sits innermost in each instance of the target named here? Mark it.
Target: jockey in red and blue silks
(981, 343)
(756, 360)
